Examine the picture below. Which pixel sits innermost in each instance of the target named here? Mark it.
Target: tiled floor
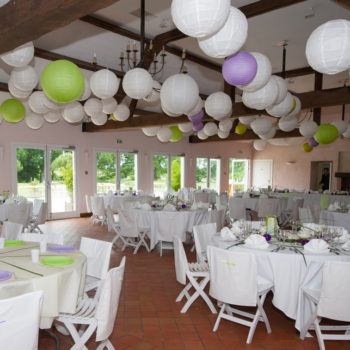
(149, 318)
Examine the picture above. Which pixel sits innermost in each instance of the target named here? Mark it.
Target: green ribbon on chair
(324, 201)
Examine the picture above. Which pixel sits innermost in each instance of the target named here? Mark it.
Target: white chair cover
(20, 213)
(201, 197)
(305, 215)
(237, 209)
(97, 206)
(268, 207)
(42, 215)
(36, 206)
(293, 205)
(203, 235)
(11, 230)
(128, 224)
(181, 263)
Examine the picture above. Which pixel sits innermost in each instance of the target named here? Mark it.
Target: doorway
(316, 171)
(262, 173)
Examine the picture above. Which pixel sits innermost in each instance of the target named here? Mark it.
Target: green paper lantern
(326, 133)
(240, 129)
(307, 147)
(176, 134)
(62, 81)
(12, 110)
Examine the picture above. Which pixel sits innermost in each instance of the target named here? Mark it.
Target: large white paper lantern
(218, 105)
(164, 134)
(185, 127)
(154, 95)
(36, 102)
(197, 108)
(202, 135)
(87, 90)
(210, 129)
(269, 135)
(282, 88)
(328, 47)
(295, 109)
(262, 75)
(24, 78)
(170, 114)
(247, 120)
(229, 39)
(121, 113)
(341, 126)
(20, 56)
(179, 93)
(262, 98)
(99, 119)
(346, 134)
(151, 131)
(283, 108)
(73, 112)
(34, 121)
(287, 125)
(223, 134)
(16, 92)
(52, 116)
(226, 125)
(200, 18)
(93, 106)
(259, 145)
(261, 126)
(104, 83)
(137, 83)
(109, 105)
(308, 128)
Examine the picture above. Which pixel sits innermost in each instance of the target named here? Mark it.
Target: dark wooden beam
(317, 86)
(26, 20)
(298, 72)
(344, 3)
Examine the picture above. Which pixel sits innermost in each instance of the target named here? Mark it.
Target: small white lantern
(246, 120)
(121, 113)
(200, 18)
(308, 128)
(328, 47)
(282, 88)
(109, 105)
(197, 108)
(223, 134)
(218, 105)
(269, 135)
(87, 91)
(137, 83)
(288, 125)
(99, 119)
(52, 116)
(185, 127)
(154, 95)
(73, 112)
(16, 92)
(51, 105)
(210, 129)
(36, 102)
(151, 131)
(263, 73)
(20, 56)
(229, 39)
(346, 134)
(179, 94)
(283, 108)
(24, 78)
(226, 125)
(341, 125)
(295, 109)
(259, 145)
(202, 135)
(164, 134)
(261, 126)
(104, 83)
(262, 98)
(34, 121)
(93, 106)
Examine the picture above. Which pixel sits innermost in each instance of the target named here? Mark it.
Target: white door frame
(271, 170)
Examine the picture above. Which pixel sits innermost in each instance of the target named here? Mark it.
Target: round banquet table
(62, 286)
(164, 225)
(335, 218)
(118, 202)
(287, 270)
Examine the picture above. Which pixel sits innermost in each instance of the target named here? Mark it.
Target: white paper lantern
(341, 126)
(121, 113)
(246, 120)
(229, 39)
(179, 93)
(295, 109)
(51, 105)
(154, 95)
(287, 125)
(104, 83)
(200, 18)
(197, 108)
(16, 92)
(259, 145)
(73, 112)
(210, 129)
(34, 121)
(308, 128)
(226, 125)
(346, 134)
(170, 114)
(99, 119)
(109, 105)
(36, 102)
(283, 108)
(328, 47)
(20, 56)
(261, 126)
(282, 88)
(202, 135)
(87, 91)
(218, 105)
(262, 98)
(151, 131)
(137, 83)
(223, 134)
(263, 73)
(24, 78)
(164, 134)
(269, 135)
(52, 116)
(185, 127)
(93, 106)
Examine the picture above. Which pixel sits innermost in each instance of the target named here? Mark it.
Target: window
(168, 173)
(208, 173)
(128, 171)
(238, 175)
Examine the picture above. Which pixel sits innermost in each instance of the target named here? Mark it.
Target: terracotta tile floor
(149, 318)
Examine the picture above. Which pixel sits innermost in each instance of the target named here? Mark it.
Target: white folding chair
(98, 254)
(197, 274)
(40, 219)
(98, 210)
(52, 237)
(203, 235)
(234, 281)
(333, 302)
(36, 206)
(19, 321)
(305, 215)
(98, 315)
(11, 230)
(20, 213)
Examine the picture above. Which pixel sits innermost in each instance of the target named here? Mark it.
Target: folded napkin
(317, 246)
(145, 206)
(256, 241)
(346, 246)
(227, 235)
(169, 207)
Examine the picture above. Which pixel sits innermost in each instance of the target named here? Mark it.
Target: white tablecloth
(334, 218)
(62, 286)
(118, 202)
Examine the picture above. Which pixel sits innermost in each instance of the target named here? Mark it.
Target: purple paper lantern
(197, 126)
(312, 142)
(196, 118)
(239, 69)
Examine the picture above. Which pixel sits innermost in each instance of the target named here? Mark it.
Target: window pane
(215, 175)
(160, 174)
(128, 171)
(30, 173)
(177, 172)
(201, 173)
(105, 172)
(238, 175)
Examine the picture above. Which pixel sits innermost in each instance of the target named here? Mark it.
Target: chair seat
(198, 267)
(85, 312)
(91, 283)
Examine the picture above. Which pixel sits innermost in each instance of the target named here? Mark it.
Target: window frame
(248, 173)
(218, 170)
